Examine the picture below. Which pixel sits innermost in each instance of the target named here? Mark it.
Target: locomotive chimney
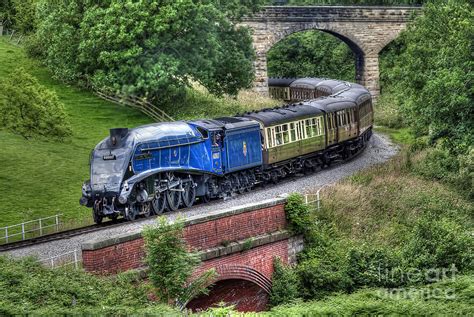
(117, 134)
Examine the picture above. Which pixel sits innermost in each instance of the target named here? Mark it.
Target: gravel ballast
(379, 150)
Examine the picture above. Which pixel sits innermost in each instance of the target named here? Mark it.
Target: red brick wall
(114, 259)
(237, 227)
(129, 255)
(259, 258)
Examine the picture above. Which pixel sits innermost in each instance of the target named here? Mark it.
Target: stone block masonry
(366, 30)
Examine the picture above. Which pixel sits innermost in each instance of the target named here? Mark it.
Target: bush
(438, 243)
(28, 288)
(29, 109)
(298, 214)
(367, 266)
(171, 265)
(457, 170)
(285, 285)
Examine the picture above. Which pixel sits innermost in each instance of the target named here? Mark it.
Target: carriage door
(216, 146)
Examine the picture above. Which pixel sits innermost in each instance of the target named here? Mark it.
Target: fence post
(75, 259)
(1, 28)
(11, 35)
(57, 222)
(6, 234)
(41, 227)
(52, 262)
(23, 231)
(318, 201)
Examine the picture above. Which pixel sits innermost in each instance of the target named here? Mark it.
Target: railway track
(60, 235)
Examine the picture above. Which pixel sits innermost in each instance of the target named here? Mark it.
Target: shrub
(30, 109)
(28, 288)
(368, 266)
(297, 213)
(285, 286)
(171, 265)
(457, 170)
(438, 243)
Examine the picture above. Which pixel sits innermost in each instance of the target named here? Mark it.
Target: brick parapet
(262, 222)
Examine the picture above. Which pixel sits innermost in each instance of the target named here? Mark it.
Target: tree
(171, 265)
(30, 109)
(24, 18)
(7, 12)
(285, 284)
(311, 54)
(434, 74)
(150, 49)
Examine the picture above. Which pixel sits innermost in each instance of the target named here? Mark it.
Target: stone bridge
(239, 243)
(366, 30)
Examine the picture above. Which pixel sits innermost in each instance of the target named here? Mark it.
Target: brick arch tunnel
(237, 285)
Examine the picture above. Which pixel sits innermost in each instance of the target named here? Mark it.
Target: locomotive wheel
(205, 199)
(132, 213)
(158, 203)
(114, 217)
(97, 218)
(188, 196)
(146, 209)
(173, 199)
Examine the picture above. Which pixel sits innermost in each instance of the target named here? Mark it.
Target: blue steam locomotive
(165, 166)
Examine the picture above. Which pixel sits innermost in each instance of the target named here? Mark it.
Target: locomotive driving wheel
(131, 212)
(96, 213)
(188, 196)
(146, 209)
(158, 203)
(173, 199)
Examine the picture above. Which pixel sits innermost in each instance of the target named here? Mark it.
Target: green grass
(41, 178)
(399, 135)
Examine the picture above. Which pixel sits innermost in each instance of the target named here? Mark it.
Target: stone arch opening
(246, 296)
(351, 43)
(242, 286)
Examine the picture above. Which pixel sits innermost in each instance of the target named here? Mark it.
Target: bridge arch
(357, 47)
(239, 285)
(367, 30)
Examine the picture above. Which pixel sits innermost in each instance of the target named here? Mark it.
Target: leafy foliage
(297, 213)
(433, 299)
(311, 54)
(30, 109)
(24, 19)
(147, 48)
(438, 243)
(434, 73)
(285, 284)
(171, 265)
(7, 12)
(28, 288)
(347, 2)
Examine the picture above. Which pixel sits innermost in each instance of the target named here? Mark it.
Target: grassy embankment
(40, 178)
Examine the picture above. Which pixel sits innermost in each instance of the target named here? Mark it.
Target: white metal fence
(12, 35)
(30, 229)
(314, 199)
(71, 258)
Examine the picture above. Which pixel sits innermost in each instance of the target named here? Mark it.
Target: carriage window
(286, 134)
(269, 138)
(278, 136)
(293, 132)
